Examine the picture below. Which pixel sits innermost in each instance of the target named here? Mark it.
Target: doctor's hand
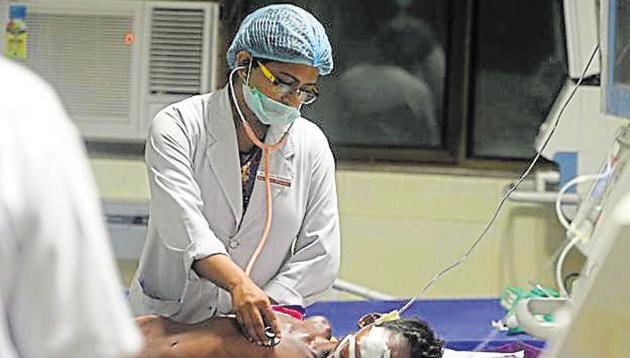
(250, 303)
(253, 311)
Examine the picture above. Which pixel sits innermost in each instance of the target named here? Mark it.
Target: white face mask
(267, 110)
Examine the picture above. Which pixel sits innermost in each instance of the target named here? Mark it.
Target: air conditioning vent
(117, 63)
(86, 59)
(176, 51)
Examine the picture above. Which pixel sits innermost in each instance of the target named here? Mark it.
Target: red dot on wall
(129, 38)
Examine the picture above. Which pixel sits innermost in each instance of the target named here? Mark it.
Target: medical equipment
(585, 233)
(597, 320)
(600, 294)
(582, 142)
(272, 339)
(510, 300)
(590, 210)
(600, 220)
(615, 86)
(579, 179)
(612, 215)
(588, 216)
(581, 227)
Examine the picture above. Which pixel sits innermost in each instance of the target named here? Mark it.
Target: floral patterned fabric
(249, 167)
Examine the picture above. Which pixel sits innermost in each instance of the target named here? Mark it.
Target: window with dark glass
(390, 98)
(519, 66)
(386, 89)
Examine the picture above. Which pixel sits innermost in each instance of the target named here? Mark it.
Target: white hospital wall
(399, 227)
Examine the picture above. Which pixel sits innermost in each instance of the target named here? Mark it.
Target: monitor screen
(616, 57)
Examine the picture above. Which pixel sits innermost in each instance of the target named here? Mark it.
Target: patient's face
(372, 342)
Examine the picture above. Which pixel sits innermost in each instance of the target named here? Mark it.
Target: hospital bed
(463, 323)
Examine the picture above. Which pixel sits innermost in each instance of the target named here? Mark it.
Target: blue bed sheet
(463, 323)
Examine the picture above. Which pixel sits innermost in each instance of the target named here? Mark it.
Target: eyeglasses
(306, 96)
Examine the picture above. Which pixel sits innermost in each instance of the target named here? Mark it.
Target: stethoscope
(267, 149)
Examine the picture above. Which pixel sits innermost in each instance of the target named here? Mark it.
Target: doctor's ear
(243, 59)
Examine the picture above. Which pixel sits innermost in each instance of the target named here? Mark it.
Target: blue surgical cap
(284, 33)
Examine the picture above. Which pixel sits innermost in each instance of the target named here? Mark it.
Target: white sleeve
(314, 265)
(176, 203)
(66, 300)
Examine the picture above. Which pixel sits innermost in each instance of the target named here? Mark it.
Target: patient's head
(419, 337)
(396, 339)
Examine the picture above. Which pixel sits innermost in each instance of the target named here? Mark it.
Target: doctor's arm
(313, 267)
(176, 208)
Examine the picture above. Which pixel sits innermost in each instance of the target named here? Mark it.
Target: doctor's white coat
(196, 211)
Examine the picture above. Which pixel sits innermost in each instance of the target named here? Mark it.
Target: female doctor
(211, 248)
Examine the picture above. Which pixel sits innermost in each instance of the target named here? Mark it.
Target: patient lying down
(221, 337)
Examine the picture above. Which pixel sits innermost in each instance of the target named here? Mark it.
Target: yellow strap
(388, 317)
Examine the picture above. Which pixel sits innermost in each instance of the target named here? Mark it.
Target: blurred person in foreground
(60, 295)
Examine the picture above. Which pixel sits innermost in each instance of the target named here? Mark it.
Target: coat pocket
(161, 306)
